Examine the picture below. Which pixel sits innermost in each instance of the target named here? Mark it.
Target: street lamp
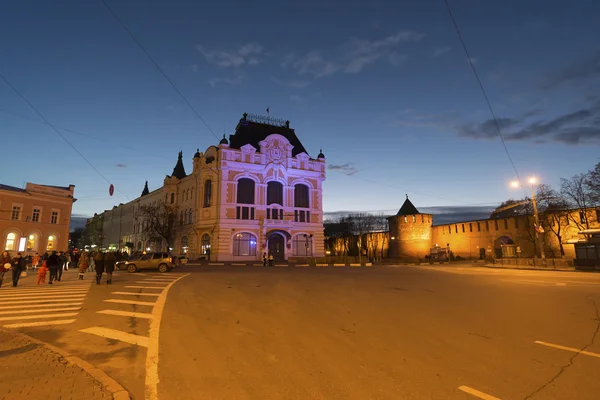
(539, 239)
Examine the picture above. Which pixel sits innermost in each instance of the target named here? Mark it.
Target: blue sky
(383, 87)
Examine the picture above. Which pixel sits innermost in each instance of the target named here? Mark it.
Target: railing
(536, 262)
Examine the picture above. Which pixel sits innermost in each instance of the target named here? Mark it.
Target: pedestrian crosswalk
(24, 307)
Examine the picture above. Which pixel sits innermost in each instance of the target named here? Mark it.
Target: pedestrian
(83, 263)
(53, 263)
(63, 262)
(68, 257)
(109, 266)
(270, 259)
(5, 264)
(42, 271)
(264, 259)
(99, 261)
(35, 261)
(18, 265)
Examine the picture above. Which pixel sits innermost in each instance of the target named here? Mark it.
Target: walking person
(5, 264)
(99, 261)
(83, 263)
(18, 265)
(35, 260)
(42, 271)
(271, 259)
(53, 263)
(63, 261)
(264, 259)
(109, 266)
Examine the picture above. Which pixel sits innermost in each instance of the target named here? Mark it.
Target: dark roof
(408, 208)
(58, 187)
(179, 170)
(12, 188)
(321, 155)
(250, 132)
(145, 191)
(197, 155)
(224, 140)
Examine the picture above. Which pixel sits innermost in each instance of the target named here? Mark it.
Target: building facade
(35, 219)
(258, 192)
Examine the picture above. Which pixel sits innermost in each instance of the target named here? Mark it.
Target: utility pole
(538, 238)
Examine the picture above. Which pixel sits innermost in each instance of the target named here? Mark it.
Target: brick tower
(410, 233)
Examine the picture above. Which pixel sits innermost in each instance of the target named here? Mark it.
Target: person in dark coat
(53, 262)
(99, 261)
(63, 262)
(18, 265)
(4, 259)
(109, 266)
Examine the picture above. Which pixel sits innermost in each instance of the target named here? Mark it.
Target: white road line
(40, 323)
(54, 300)
(143, 287)
(46, 289)
(117, 335)
(137, 303)
(14, 299)
(126, 314)
(14, 317)
(161, 279)
(477, 393)
(24, 295)
(152, 354)
(52, 304)
(136, 294)
(151, 283)
(39, 311)
(574, 350)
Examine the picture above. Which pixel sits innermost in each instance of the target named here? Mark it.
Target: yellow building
(35, 219)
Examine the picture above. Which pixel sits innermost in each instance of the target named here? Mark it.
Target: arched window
(51, 243)
(184, 245)
(301, 196)
(11, 238)
(274, 193)
(191, 220)
(172, 198)
(139, 246)
(245, 191)
(181, 218)
(208, 192)
(185, 218)
(244, 244)
(302, 245)
(205, 244)
(31, 241)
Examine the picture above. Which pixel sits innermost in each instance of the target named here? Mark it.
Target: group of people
(57, 262)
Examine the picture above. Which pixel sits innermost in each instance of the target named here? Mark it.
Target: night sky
(383, 87)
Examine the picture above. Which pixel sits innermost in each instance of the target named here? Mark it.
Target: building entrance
(277, 247)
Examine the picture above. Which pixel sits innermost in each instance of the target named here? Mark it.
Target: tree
(593, 184)
(78, 237)
(160, 219)
(577, 194)
(553, 210)
(513, 208)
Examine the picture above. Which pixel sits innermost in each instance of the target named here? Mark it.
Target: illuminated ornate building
(35, 219)
(258, 192)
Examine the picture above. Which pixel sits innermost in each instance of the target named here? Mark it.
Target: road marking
(126, 314)
(239, 265)
(38, 305)
(339, 265)
(49, 296)
(53, 300)
(302, 265)
(137, 294)
(38, 311)
(137, 303)
(40, 323)
(151, 283)
(355, 265)
(143, 287)
(45, 289)
(322, 265)
(152, 354)
(160, 279)
(574, 350)
(216, 264)
(117, 335)
(38, 316)
(477, 393)
(33, 295)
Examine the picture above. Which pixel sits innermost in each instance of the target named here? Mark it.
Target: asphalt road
(380, 333)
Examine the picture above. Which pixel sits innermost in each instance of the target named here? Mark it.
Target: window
(456, 228)
(208, 192)
(505, 224)
(496, 224)
(245, 191)
(191, 220)
(301, 196)
(31, 239)
(414, 218)
(51, 243)
(35, 217)
(205, 244)
(463, 228)
(172, 198)
(405, 219)
(301, 216)
(302, 245)
(244, 212)
(184, 245)
(11, 238)
(244, 244)
(470, 227)
(449, 230)
(16, 212)
(54, 217)
(487, 225)
(274, 193)
(185, 217)
(274, 213)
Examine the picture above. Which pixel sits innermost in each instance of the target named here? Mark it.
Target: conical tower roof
(145, 191)
(179, 170)
(408, 208)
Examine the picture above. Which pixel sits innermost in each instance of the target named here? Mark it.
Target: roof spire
(407, 196)
(145, 191)
(179, 170)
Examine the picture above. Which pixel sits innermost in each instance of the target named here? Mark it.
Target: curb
(118, 392)
(532, 268)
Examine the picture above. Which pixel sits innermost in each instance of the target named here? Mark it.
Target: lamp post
(539, 239)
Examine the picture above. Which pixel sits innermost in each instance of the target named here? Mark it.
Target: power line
(485, 96)
(56, 130)
(157, 66)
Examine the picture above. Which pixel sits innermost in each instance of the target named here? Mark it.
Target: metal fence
(536, 262)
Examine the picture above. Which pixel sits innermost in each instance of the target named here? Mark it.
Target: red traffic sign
(111, 189)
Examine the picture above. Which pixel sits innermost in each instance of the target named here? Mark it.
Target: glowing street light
(539, 239)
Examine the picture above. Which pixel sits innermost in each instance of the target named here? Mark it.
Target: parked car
(161, 261)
